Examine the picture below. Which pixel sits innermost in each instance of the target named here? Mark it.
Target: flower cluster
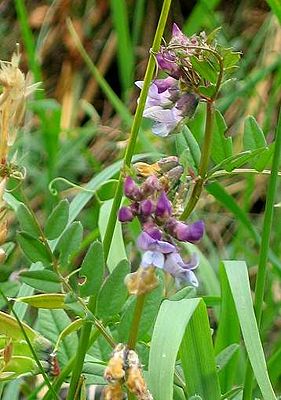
(124, 368)
(173, 99)
(160, 236)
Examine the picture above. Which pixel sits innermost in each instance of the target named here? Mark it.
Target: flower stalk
(204, 162)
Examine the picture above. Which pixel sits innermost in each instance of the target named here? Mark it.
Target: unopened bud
(163, 207)
(131, 189)
(168, 163)
(125, 214)
(147, 207)
(189, 233)
(150, 186)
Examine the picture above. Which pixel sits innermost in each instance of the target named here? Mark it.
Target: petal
(164, 247)
(146, 242)
(152, 258)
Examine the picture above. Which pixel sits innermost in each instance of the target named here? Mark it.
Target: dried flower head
(15, 89)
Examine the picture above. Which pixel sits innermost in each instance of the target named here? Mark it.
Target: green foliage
(57, 221)
(34, 249)
(43, 280)
(113, 292)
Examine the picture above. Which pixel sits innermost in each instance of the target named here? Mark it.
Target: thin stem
(265, 241)
(136, 321)
(81, 351)
(204, 162)
(69, 366)
(41, 369)
(136, 125)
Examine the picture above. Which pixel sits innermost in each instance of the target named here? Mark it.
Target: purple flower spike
(125, 214)
(180, 270)
(131, 189)
(146, 208)
(163, 207)
(146, 242)
(189, 233)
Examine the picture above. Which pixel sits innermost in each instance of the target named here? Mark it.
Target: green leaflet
(57, 220)
(183, 325)
(237, 275)
(92, 269)
(113, 292)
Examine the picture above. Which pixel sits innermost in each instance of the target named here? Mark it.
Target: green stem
(204, 162)
(41, 369)
(136, 321)
(136, 125)
(81, 352)
(265, 241)
(69, 366)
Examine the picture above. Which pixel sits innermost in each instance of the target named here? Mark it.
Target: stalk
(204, 162)
(136, 321)
(85, 332)
(263, 256)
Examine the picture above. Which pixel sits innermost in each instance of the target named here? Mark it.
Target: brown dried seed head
(144, 280)
(113, 392)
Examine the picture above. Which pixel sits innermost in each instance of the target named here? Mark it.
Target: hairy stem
(204, 162)
(264, 249)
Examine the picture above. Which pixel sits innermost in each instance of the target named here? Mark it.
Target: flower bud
(150, 186)
(146, 207)
(163, 207)
(168, 163)
(131, 189)
(166, 61)
(187, 104)
(125, 214)
(189, 233)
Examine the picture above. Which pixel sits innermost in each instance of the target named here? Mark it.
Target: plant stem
(136, 125)
(136, 321)
(204, 161)
(69, 366)
(264, 249)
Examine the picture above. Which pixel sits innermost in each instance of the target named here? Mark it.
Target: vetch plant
(136, 309)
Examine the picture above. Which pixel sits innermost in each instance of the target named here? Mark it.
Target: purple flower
(180, 270)
(146, 242)
(163, 207)
(166, 61)
(184, 232)
(167, 106)
(131, 189)
(125, 214)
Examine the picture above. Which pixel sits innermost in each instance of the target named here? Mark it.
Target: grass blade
(237, 275)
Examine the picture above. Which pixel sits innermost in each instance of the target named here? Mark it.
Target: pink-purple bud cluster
(160, 228)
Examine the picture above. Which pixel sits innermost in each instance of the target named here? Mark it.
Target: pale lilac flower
(167, 106)
(146, 242)
(154, 251)
(181, 271)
